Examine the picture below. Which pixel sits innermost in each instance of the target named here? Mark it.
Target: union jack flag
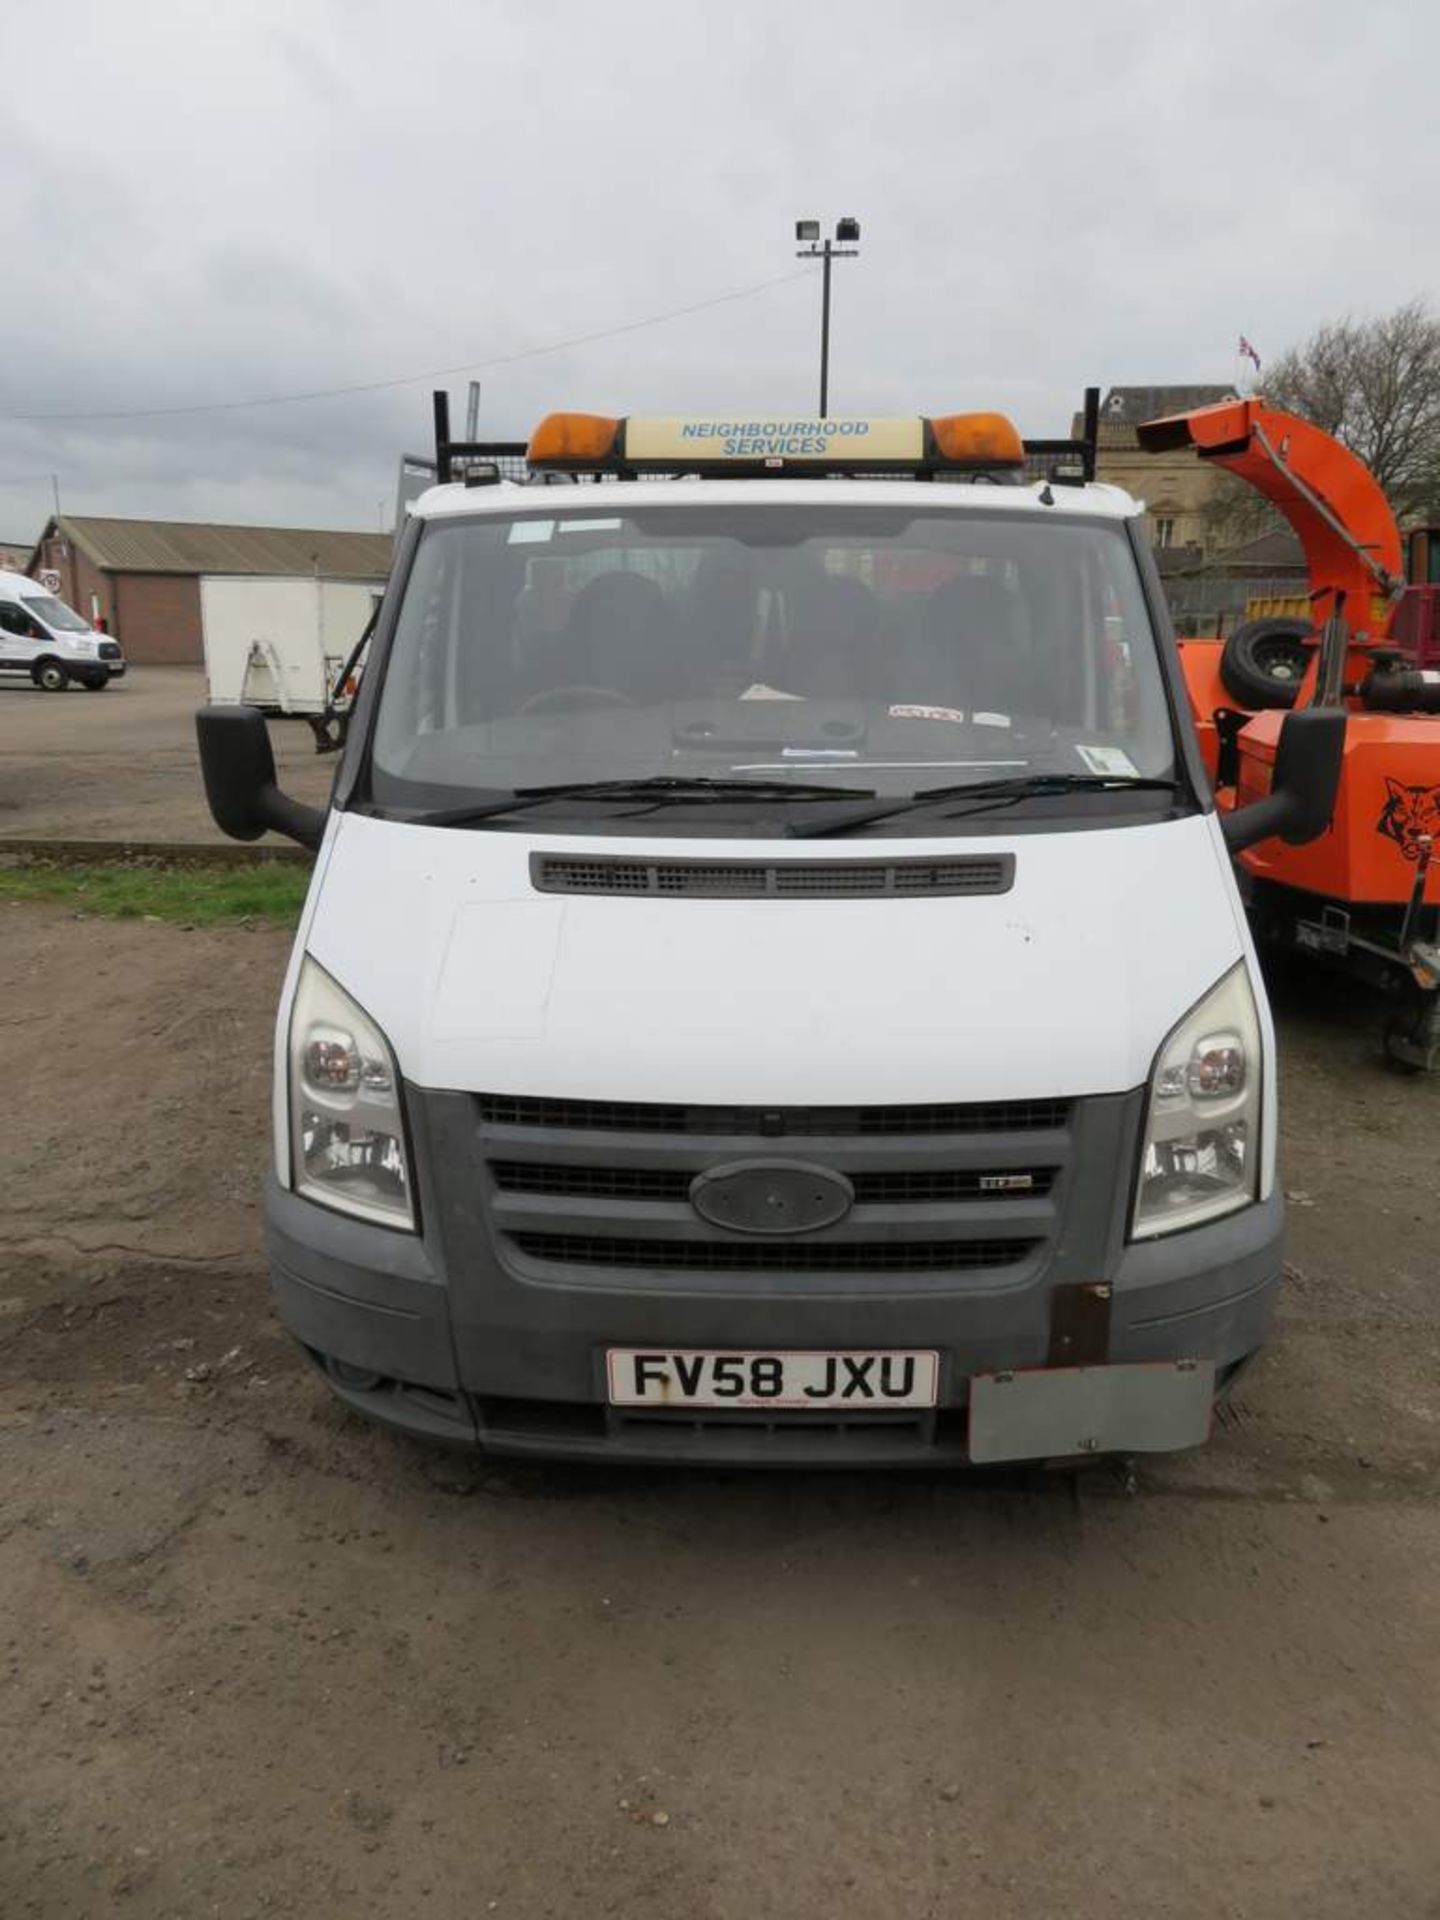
(1249, 352)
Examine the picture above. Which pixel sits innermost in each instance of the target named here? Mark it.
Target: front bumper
(437, 1336)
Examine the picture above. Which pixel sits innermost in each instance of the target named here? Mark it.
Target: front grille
(709, 1256)
(939, 1191)
(109, 650)
(729, 880)
(772, 1123)
(909, 1186)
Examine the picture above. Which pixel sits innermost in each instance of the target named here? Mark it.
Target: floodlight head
(807, 229)
(847, 229)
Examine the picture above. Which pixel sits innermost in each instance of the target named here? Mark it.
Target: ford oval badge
(771, 1196)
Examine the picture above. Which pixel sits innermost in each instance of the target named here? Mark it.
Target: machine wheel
(50, 676)
(1264, 661)
(1412, 1033)
(92, 685)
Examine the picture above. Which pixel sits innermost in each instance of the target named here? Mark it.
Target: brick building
(142, 577)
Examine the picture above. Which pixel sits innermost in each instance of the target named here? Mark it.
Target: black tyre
(92, 685)
(1412, 1033)
(1264, 661)
(50, 676)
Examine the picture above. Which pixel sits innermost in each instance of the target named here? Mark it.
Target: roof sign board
(775, 438)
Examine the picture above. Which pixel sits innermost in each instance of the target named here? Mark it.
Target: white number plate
(849, 1381)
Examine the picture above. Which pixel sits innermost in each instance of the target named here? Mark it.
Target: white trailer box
(278, 642)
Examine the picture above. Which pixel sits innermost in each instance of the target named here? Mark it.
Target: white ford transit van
(772, 987)
(49, 643)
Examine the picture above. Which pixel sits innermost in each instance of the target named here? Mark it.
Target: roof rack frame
(1085, 449)
(447, 451)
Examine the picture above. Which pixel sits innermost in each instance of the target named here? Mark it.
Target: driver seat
(616, 638)
(831, 652)
(971, 653)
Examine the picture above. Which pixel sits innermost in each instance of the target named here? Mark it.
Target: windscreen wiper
(661, 789)
(1021, 786)
(986, 795)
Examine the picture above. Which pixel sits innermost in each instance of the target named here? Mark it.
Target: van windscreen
(892, 648)
(55, 614)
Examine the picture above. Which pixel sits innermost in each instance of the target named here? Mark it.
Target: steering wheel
(574, 696)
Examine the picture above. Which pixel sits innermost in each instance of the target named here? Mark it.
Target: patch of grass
(189, 896)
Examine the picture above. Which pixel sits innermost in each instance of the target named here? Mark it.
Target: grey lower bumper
(375, 1309)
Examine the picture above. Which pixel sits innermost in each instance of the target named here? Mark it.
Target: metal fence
(1199, 602)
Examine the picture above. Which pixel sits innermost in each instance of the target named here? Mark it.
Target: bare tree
(1375, 385)
(1233, 518)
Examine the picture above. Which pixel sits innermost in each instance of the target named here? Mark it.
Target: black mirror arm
(1263, 820)
(291, 817)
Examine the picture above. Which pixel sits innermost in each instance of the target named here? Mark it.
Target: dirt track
(261, 1660)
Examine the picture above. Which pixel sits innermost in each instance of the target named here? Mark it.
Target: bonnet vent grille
(771, 880)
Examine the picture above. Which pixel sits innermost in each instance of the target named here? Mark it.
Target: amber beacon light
(573, 441)
(977, 440)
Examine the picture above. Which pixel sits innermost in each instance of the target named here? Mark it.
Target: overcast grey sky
(209, 204)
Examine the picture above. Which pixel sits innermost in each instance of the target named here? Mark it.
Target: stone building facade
(1175, 487)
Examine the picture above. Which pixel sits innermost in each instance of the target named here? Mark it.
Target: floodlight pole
(825, 251)
(825, 335)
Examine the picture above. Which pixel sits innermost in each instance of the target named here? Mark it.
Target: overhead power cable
(413, 379)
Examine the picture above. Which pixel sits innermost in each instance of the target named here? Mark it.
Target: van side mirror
(1307, 778)
(239, 768)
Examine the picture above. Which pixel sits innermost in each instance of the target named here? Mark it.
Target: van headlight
(1200, 1156)
(347, 1135)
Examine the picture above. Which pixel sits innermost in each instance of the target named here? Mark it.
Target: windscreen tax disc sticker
(927, 713)
(1108, 760)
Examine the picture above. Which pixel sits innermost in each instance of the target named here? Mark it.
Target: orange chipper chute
(1331, 499)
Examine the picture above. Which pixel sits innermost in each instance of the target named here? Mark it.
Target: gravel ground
(122, 764)
(259, 1659)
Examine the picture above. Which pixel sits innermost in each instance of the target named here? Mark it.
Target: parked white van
(773, 987)
(49, 643)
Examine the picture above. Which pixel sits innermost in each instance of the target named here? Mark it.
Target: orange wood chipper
(1365, 895)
